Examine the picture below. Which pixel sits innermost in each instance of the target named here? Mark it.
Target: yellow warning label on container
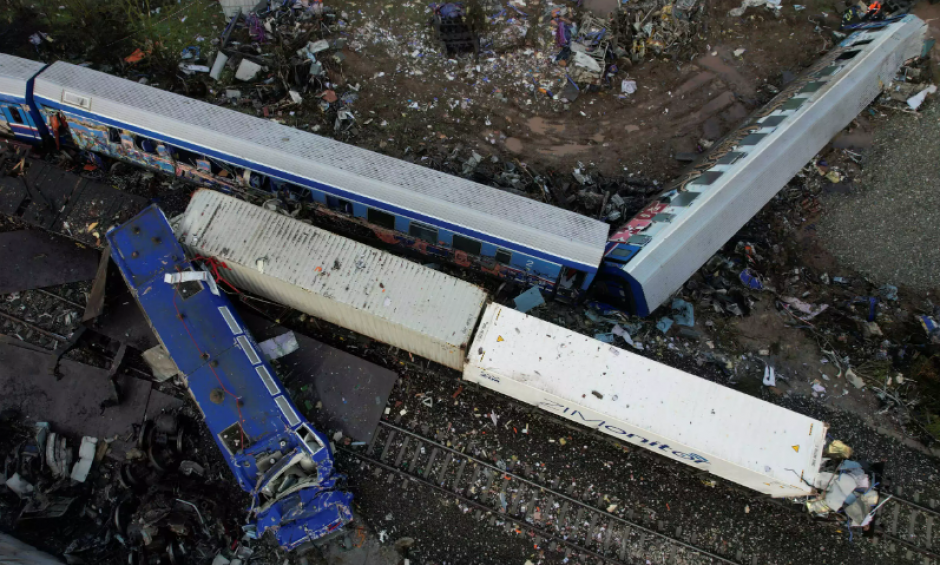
(499, 338)
(796, 448)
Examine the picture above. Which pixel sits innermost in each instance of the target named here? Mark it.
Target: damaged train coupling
(284, 464)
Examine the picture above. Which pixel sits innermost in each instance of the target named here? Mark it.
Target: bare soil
(678, 103)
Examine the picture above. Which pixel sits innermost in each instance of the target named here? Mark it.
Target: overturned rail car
(284, 464)
(682, 417)
(353, 285)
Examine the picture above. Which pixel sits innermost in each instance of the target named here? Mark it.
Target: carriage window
(146, 145)
(339, 204)
(16, 115)
(848, 55)
(503, 256)
(184, 156)
(467, 245)
(114, 135)
(381, 219)
(423, 232)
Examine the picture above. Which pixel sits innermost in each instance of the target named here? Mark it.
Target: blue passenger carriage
(18, 117)
(439, 215)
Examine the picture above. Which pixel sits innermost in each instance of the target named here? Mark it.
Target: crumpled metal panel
(245, 406)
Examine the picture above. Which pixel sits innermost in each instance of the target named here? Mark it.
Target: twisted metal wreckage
(276, 456)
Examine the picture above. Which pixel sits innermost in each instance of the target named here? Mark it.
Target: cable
(214, 264)
(179, 316)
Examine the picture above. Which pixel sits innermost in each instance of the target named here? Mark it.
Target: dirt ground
(678, 103)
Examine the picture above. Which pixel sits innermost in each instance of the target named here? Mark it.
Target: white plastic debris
(279, 346)
(58, 455)
(317, 46)
(190, 69)
(295, 96)
(628, 86)
(86, 457)
(192, 276)
(915, 101)
(770, 378)
(856, 381)
(218, 65)
(20, 486)
(739, 52)
(247, 70)
(811, 310)
(739, 11)
(587, 62)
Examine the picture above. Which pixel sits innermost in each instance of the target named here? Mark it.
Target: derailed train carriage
(567, 256)
(276, 456)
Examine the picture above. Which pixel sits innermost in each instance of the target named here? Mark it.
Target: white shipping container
(352, 285)
(680, 416)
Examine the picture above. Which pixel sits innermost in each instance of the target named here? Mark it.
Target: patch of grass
(176, 25)
(933, 427)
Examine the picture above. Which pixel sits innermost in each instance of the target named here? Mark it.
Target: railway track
(524, 500)
(911, 528)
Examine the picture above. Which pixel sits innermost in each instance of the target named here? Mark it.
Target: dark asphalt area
(889, 229)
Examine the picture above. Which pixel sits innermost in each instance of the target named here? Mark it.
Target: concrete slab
(73, 404)
(122, 320)
(353, 391)
(36, 259)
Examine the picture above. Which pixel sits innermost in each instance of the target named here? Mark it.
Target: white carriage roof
(14, 72)
(422, 191)
(713, 207)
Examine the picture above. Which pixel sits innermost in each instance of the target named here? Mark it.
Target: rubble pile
(848, 487)
(658, 28)
(282, 63)
(150, 496)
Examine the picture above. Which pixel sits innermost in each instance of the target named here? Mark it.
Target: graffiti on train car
(723, 147)
(531, 276)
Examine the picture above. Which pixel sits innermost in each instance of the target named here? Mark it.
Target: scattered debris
(160, 363)
(915, 101)
(86, 457)
(529, 299)
(739, 11)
